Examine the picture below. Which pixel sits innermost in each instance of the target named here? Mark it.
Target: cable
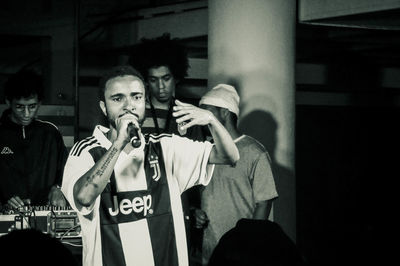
(68, 243)
(34, 218)
(66, 232)
(52, 211)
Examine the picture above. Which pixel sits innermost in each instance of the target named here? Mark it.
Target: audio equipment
(59, 222)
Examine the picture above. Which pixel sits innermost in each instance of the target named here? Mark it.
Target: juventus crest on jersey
(138, 218)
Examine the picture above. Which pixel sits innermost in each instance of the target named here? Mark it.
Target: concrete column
(251, 45)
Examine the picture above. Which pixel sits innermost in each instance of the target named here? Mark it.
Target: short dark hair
(24, 84)
(117, 71)
(160, 51)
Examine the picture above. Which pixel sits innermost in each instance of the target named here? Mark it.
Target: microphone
(133, 135)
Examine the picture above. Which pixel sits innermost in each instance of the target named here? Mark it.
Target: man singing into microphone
(127, 198)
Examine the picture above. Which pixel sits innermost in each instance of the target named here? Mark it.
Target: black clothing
(256, 243)
(32, 159)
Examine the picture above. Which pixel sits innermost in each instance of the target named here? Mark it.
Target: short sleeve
(189, 161)
(75, 167)
(263, 181)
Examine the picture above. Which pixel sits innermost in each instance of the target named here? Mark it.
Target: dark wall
(345, 174)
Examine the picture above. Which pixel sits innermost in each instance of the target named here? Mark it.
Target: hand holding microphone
(133, 135)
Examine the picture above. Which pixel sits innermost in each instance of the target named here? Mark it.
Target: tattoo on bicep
(103, 167)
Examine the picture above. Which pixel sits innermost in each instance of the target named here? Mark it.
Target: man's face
(122, 96)
(24, 110)
(161, 83)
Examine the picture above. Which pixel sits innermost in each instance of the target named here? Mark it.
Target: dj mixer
(59, 222)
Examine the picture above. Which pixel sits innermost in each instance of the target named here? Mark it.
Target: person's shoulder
(48, 128)
(46, 125)
(253, 149)
(85, 144)
(252, 143)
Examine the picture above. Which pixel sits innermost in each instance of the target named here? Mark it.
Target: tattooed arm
(91, 184)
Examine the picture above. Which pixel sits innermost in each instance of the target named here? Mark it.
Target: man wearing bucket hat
(243, 190)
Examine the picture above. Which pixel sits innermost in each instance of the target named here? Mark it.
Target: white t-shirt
(138, 218)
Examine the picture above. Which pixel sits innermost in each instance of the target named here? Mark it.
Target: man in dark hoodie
(32, 152)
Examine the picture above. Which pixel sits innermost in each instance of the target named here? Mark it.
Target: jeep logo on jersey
(153, 161)
(127, 206)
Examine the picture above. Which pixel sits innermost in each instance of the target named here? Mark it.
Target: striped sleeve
(78, 163)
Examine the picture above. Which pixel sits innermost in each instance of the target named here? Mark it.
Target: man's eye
(116, 99)
(166, 78)
(152, 80)
(33, 106)
(137, 97)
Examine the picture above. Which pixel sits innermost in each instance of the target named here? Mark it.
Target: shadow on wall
(261, 125)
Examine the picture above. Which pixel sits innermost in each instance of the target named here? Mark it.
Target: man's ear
(103, 107)
(224, 113)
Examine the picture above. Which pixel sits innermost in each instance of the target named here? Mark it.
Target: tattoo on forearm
(103, 167)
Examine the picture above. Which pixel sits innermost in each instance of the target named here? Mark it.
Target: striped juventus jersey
(138, 218)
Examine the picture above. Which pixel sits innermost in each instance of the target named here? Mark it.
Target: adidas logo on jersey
(6, 150)
(137, 205)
